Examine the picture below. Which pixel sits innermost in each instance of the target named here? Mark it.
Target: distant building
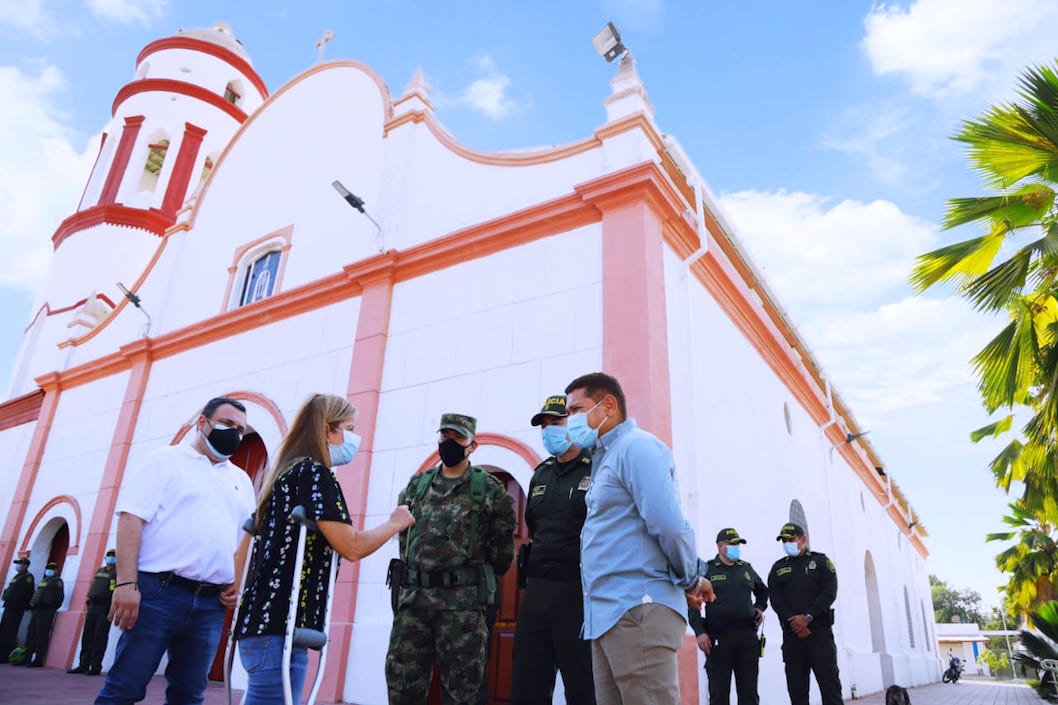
(965, 640)
(496, 279)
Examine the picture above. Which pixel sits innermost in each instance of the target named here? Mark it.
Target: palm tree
(1014, 148)
(1040, 643)
(1033, 559)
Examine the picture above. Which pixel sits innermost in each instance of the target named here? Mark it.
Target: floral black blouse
(265, 601)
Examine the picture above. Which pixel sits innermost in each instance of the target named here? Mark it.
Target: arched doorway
(252, 457)
(501, 647)
(874, 616)
(51, 544)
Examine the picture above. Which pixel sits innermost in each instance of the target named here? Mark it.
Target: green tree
(996, 662)
(1039, 643)
(950, 602)
(1032, 561)
(1012, 269)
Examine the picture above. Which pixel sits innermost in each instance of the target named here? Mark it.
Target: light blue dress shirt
(636, 546)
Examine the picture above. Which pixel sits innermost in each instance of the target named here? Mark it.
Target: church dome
(218, 33)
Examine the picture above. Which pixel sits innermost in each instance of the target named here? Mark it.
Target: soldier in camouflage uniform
(96, 625)
(462, 541)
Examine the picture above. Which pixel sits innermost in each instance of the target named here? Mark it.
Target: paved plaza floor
(46, 686)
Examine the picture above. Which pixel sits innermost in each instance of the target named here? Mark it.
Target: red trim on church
(109, 194)
(200, 45)
(20, 410)
(152, 221)
(102, 143)
(181, 176)
(168, 85)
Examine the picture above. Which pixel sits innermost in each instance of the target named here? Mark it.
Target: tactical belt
(554, 571)
(441, 578)
(197, 587)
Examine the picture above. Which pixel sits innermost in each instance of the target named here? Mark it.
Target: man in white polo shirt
(179, 519)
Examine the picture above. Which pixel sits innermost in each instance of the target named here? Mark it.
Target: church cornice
(112, 214)
(191, 44)
(169, 85)
(20, 410)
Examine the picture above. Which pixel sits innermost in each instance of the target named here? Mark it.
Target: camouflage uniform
(447, 624)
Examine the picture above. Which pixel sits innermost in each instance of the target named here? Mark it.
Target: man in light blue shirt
(639, 560)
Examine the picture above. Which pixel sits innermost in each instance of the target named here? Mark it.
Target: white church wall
(94, 188)
(73, 461)
(205, 70)
(14, 445)
(468, 339)
(740, 465)
(431, 191)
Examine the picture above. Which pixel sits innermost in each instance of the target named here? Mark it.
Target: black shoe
(35, 664)
(79, 669)
(94, 672)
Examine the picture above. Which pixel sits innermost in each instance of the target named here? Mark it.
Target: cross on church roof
(328, 35)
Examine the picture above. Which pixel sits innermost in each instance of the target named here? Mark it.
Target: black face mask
(223, 442)
(451, 452)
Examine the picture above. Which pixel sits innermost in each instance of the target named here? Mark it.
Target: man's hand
(705, 643)
(402, 518)
(706, 591)
(800, 626)
(125, 606)
(758, 617)
(700, 594)
(229, 597)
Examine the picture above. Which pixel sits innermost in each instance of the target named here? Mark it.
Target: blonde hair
(306, 438)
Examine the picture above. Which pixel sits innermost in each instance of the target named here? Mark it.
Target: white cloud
(841, 269)
(42, 173)
(486, 95)
(825, 255)
(637, 15)
(128, 11)
(866, 132)
(949, 47)
(24, 15)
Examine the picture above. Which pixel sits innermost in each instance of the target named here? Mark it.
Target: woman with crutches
(294, 551)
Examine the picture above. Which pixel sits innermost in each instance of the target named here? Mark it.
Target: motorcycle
(954, 671)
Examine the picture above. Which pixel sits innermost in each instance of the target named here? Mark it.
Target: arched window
(925, 626)
(910, 626)
(797, 516)
(234, 92)
(156, 151)
(260, 277)
(207, 167)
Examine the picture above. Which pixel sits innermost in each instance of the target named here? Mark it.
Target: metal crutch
(300, 636)
(229, 651)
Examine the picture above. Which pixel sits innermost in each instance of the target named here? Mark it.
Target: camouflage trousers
(423, 635)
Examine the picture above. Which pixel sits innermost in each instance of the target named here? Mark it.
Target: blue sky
(823, 127)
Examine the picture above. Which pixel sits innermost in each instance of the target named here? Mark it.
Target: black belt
(554, 571)
(441, 578)
(718, 625)
(197, 587)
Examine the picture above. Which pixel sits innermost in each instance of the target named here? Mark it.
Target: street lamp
(135, 301)
(358, 203)
(608, 43)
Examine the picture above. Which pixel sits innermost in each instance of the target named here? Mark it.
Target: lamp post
(358, 203)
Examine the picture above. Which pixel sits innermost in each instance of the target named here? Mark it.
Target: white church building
(492, 280)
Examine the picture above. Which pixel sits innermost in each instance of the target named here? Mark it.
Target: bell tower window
(152, 167)
(234, 92)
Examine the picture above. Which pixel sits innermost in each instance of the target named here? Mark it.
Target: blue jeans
(262, 657)
(172, 619)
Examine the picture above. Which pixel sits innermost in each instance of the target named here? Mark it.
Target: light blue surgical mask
(344, 453)
(580, 432)
(734, 552)
(110, 560)
(49, 573)
(555, 440)
(791, 548)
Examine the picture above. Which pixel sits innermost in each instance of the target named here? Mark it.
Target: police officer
(96, 626)
(547, 634)
(728, 633)
(462, 541)
(803, 586)
(16, 598)
(45, 603)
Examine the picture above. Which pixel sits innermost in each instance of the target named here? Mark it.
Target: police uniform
(16, 598)
(45, 603)
(96, 626)
(440, 608)
(731, 624)
(547, 633)
(806, 585)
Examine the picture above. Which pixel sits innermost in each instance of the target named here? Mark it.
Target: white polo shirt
(193, 512)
